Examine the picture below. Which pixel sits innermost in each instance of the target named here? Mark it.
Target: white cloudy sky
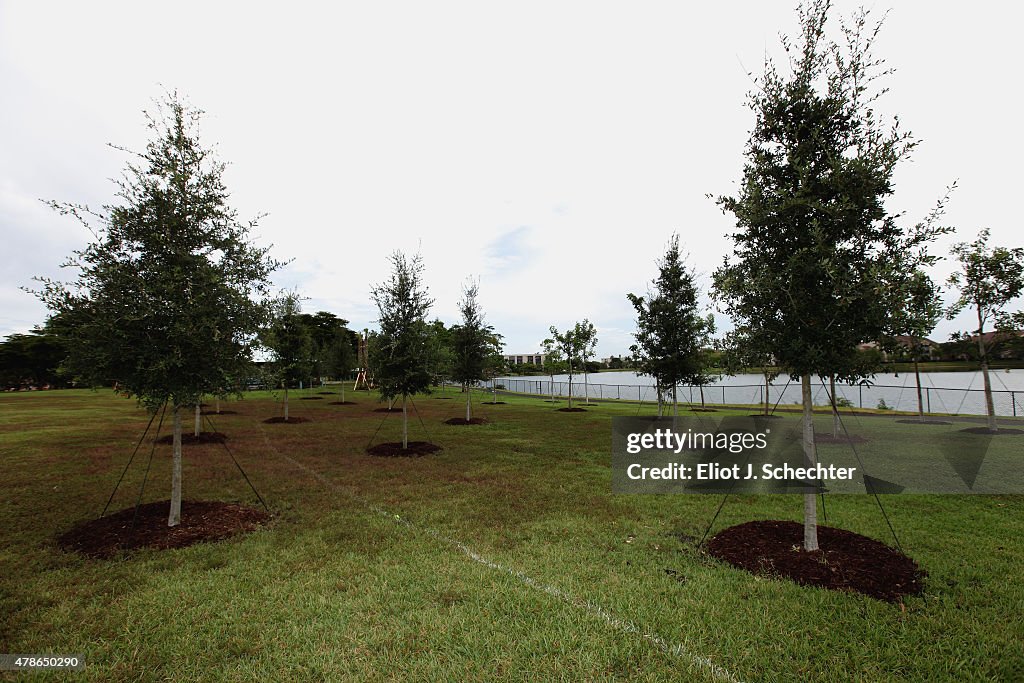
(548, 148)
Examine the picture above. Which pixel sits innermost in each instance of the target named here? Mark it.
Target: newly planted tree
(165, 302)
(401, 345)
(672, 334)
(988, 280)
(818, 257)
(569, 345)
(472, 344)
(586, 337)
(288, 338)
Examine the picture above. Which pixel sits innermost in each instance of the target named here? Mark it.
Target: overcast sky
(548, 148)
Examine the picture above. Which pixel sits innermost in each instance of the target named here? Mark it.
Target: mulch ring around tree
(1002, 431)
(765, 417)
(222, 412)
(493, 403)
(200, 521)
(311, 398)
(845, 561)
(341, 403)
(842, 438)
(280, 420)
(327, 393)
(393, 449)
(387, 410)
(703, 410)
(572, 410)
(923, 422)
(464, 421)
(188, 439)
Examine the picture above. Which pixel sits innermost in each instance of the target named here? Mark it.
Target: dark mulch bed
(311, 398)
(923, 422)
(704, 410)
(342, 403)
(200, 521)
(190, 438)
(572, 410)
(327, 393)
(766, 417)
(842, 438)
(280, 420)
(214, 412)
(493, 403)
(845, 561)
(442, 398)
(1003, 431)
(387, 410)
(393, 449)
(464, 421)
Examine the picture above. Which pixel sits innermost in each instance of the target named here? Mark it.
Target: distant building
(933, 350)
(525, 358)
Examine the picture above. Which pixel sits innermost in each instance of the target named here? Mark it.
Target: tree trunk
(702, 396)
(217, 400)
(199, 421)
(174, 519)
(469, 413)
(767, 384)
(983, 355)
(405, 424)
(570, 384)
(286, 401)
(657, 388)
(810, 459)
(586, 384)
(920, 398)
(836, 427)
(342, 392)
(675, 401)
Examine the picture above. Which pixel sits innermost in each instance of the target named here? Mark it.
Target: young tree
(988, 280)
(472, 343)
(568, 345)
(440, 358)
(401, 344)
(818, 259)
(744, 350)
(914, 320)
(554, 363)
(289, 339)
(586, 338)
(671, 335)
(165, 303)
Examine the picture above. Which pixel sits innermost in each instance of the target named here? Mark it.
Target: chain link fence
(1009, 403)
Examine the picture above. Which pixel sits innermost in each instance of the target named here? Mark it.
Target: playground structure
(364, 380)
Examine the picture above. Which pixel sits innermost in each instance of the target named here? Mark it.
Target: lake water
(945, 392)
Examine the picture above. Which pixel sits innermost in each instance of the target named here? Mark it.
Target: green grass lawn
(504, 557)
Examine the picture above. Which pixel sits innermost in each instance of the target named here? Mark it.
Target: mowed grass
(504, 557)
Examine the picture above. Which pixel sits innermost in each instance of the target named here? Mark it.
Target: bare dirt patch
(147, 527)
(1002, 431)
(464, 421)
(845, 561)
(842, 438)
(393, 449)
(190, 438)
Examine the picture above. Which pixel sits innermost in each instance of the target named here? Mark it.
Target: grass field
(504, 557)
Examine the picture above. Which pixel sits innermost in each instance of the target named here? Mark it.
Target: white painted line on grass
(716, 671)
